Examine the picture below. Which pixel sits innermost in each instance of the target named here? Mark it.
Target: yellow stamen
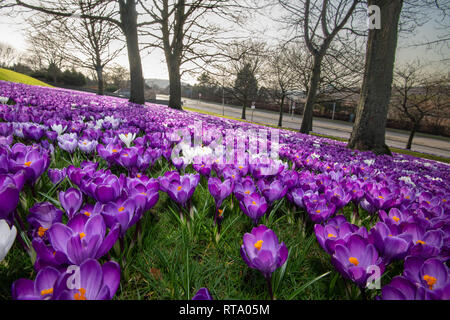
(125, 155)
(220, 212)
(396, 219)
(353, 261)
(41, 231)
(318, 211)
(179, 188)
(240, 167)
(330, 235)
(430, 281)
(254, 203)
(46, 291)
(407, 197)
(114, 150)
(80, 295)
(247, 192)
(420, 241)
(143, 193)
(87, 213)
(138, 175)
(444, 200)
(121, 209)
(82, 235)
(232, 176)
(84, 142)
(28, 163)
(381, 197)
(258, 244)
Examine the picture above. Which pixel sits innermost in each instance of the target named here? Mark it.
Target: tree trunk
(369, 128)
(306, 126)
(244, 106)
(280, 119)
(128, 16)
(175, 84)
(411, 134)
(99, 71)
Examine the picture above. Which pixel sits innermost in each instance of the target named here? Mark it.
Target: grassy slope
(12, 76)
(397, 150)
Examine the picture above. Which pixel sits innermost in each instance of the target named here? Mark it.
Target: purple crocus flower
(6, 140)
(121, 212)
(181, 191)
(42, 216)
(33, 132)
(432, 275)
(355, 259)
(56, 175)
(9, 195)
(41, 288)
(97, 282)
(166, 179)
(254, 206)
(261, 250)
(330, 235)
(82, 238)
(389, 243)
(401, 288)
(219, 190)
(244, 188)
(272, 191)
(426, 244)
(203, 294)
(71, 200)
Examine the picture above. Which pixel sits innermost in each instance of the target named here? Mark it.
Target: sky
(12, 31)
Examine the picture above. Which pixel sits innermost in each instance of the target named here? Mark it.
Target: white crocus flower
(59, 128)
(7, 237)
(127, 138)
(4, 100)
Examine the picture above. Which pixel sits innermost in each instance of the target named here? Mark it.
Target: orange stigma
(28, 163)
(430, 281)
(41, 231)
(80, 295)
(179, 188)
(353, 261)
(87, 213)
(396, 219)
(258, 244)
(46, 291)
(420, 241)
(121, 209)
(330, 235)
(82, 235)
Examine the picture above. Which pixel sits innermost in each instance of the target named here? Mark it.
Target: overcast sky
(12, 31)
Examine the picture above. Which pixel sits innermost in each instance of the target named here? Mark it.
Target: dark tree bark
(306, 126)
(175, 84)
(371, 114)
(412, 133)
(280, 119)
(128, 17)
(100, 89)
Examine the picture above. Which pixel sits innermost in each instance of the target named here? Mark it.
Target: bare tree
(280, 77)
(125, 17)
(243, 60)
(46, 51)
(318, 23)
(8, 55)
(89, 41)
(415, 95)
(185, 32)
(370, 124)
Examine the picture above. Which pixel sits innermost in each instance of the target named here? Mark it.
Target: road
(424, 143)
